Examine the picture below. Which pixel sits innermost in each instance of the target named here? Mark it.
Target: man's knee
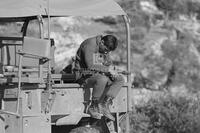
(120, 79)
(102, 79)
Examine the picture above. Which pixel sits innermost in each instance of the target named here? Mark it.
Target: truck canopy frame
(15, 10)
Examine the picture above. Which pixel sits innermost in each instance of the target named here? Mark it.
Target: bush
(167, 114)
(176, 7)
(171, 7)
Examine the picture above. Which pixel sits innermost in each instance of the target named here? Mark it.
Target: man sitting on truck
(92, 66)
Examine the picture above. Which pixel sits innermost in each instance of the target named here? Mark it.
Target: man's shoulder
(92, 40)
(98, 38)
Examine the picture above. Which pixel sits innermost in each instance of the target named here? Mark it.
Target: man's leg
(110, 93)
(115, 86)
(98, 83)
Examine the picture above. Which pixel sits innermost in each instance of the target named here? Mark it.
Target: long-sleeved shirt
(88, 56)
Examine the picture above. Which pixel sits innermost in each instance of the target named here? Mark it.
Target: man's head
(108, 43)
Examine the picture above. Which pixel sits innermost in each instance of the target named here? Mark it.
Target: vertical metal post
(117, 123)
(40, 22)
(21, 128)
(49, 87)
(19, 98)
(19, 83)
(48, 14)
(49, 31)
(129, 69)
(41, 29)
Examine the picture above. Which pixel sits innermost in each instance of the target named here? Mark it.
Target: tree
(172, 8)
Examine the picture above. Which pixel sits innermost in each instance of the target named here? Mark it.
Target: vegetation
(173, 8)
(167, 114)
(176, 65)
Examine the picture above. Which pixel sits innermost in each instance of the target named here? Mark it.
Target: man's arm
(107, 60)
(89, 56)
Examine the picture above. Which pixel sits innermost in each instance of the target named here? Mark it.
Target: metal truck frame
(33, 99)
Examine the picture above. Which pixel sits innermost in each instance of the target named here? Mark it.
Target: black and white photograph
(99, 66)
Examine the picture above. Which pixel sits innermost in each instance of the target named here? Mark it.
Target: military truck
(35, 99)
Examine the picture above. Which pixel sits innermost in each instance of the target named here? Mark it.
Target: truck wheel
(85, 130)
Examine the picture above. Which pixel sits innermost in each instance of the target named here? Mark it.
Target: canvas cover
(28, 8)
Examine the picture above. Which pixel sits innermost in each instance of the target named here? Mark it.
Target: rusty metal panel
(120, 102)
(37, 47)
(31, 103)
(2, 124)
(12, 124)
(10, 93)
(68, 101)
(38, 124)
(10, 104)
(9, 55)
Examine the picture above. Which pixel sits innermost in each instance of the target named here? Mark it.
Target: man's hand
(116, 71)
(112, 71)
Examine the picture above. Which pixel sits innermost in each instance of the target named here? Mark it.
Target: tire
(85, 130)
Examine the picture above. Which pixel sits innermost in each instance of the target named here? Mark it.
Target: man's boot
(93, 110)
(104, 108)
